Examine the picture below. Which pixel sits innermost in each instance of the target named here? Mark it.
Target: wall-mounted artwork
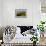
(20, 12)
(43, 6)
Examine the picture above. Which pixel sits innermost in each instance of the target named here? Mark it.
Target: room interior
(19, 20)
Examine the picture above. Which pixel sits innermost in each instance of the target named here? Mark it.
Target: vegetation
(41, 26)
(34, 39)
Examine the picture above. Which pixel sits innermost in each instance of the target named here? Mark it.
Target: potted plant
(41, 27)
(34, 39)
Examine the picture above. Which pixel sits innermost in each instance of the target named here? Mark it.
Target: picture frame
(20, 13)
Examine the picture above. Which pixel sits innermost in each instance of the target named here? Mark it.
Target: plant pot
(42, 34)
(34, 43)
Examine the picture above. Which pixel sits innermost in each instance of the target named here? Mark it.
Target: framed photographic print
(20, 12)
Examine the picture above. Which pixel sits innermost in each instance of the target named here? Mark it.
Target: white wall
(33, 12)
(0, 13)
